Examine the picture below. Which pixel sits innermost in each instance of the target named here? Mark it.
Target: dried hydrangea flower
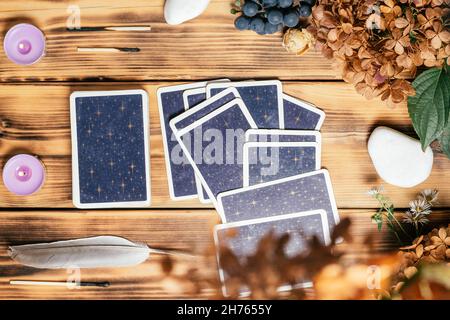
(377, 42)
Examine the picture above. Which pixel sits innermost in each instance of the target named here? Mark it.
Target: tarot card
(110, 149)
(274, 135)
(242, 239)
(180, 175)
(193, 98)
(263, 99)
(269, 161)
(304, 192)
(219, 163)
(302, 115)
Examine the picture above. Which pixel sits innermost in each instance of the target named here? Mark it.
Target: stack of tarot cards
(255, 153)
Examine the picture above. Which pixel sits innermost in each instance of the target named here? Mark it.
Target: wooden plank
(39, 124)
(180, 229)
(206, 47)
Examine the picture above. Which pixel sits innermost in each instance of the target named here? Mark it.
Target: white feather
(95, 252)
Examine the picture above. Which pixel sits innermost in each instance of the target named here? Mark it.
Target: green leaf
(444, 140)
(429, 109)
(378, 219)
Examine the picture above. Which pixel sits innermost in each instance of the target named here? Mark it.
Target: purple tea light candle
(24, 44)
(23, 174)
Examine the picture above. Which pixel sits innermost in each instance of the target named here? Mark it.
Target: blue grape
(304, 10)
(285, 3)
(270, 3)
(242, 23)
(291, 19)
(271, 28)
(275, 16)
(250, 9)
(257, 25)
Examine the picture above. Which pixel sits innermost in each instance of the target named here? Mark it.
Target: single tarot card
(275, 135)
(304, 192)
(110, 149)
(196, 112)
(269, 161)
(301, 115)
(219, 161)
(180, 175)
(264, 100)
(242, 240)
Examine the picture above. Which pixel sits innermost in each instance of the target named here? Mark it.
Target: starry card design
(218, 164)
(269, 161)
(242, 238)
(110, 149)
(301, 115)
(195, 113)
(180, 175)
(263, 99)
(274, 135)
(304, 192)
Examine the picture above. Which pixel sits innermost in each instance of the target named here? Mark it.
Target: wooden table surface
(34, 118)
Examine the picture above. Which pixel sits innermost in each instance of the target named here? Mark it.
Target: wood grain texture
(206, 47)
(190, 231)
(38, 123)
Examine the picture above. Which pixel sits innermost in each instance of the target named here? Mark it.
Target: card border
(325, 226)
(325, 172)
(159, 92)
(238, 84)
(283, 132)
(186, 95)
(255, 144)
(74, 136)
(173, 122)
(309, 106)
(191, 127)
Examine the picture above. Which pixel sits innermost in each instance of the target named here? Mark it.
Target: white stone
(398, 158)
(179, 11)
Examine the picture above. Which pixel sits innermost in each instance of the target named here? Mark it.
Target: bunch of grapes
(270, 16)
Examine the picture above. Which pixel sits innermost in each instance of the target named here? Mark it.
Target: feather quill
(94, 252)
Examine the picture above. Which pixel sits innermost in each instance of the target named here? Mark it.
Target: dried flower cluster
(433, 247)
(374, 42)
(334, 273)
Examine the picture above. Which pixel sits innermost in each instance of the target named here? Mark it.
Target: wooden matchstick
(112, 28)
(106, 49)
(59, 283)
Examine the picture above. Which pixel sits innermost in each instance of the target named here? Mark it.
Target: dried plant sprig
(387, 212)
(417, 215)
(430, 196)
